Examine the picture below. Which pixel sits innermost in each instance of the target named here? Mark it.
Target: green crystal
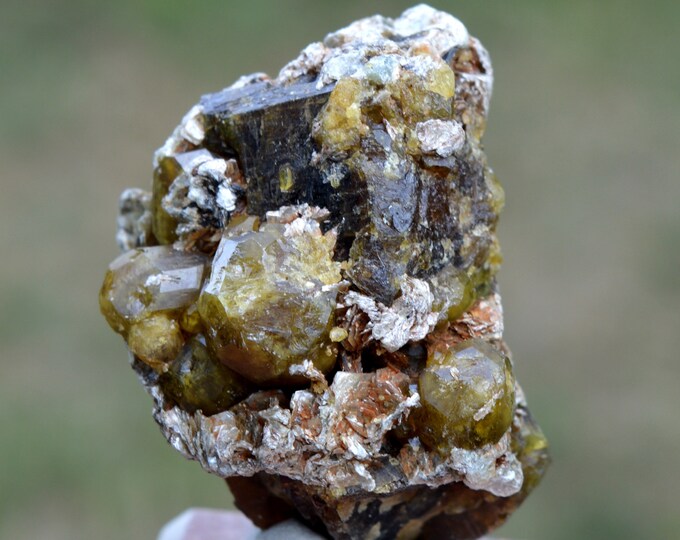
(453, 292)
(530, 446)
(155, 339)
(145, 293)
(196, 381)
(270, 303)
(468, 395)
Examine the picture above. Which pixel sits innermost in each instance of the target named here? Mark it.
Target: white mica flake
(211, 172)
(310, 60)
(225, 249)
(422, 18)
(423, 66)
(246, 80)
(354, 448)
(226, 199)
(441, 137)
(134, 219)
(434, 41)
(369, 29)
(340, 66)
(287, 215)
(190, 130)
(362, 471)
(409, 318)
(214, 167)
(486, 409)
(484, 319)
(308, 370)
(383, 69)
(492, 468)
(177, 280)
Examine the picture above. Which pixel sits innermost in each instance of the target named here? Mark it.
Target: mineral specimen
(309, 290)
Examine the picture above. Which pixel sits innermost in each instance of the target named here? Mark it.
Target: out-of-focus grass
(583, 132)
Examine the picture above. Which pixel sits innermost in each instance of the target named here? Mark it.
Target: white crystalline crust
(336, 449)
(409, 318)
(440, 137)
(134, 219)
(190, 130)
(352, 51)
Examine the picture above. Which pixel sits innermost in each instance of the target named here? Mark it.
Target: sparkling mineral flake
(309, 291)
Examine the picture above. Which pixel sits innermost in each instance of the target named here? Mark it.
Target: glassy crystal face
(195, 381)
(270, 302)
(309, 290)
(148, 280)
(145, 292)
(468, 396)
(453, 292)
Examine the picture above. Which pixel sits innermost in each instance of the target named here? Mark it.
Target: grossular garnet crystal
(309, 292)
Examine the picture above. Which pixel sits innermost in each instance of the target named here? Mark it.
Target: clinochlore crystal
(309, 290)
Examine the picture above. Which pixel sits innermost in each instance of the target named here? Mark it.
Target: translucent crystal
(144, 293)
(155, 339)
(453, 292)
(196, 381)
(270, 302)
(468, 396)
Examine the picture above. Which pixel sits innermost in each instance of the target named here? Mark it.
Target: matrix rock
(309, 291)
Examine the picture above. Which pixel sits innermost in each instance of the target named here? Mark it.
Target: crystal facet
(196, 381)
(270, 301)
(145, 292)
(468, 396)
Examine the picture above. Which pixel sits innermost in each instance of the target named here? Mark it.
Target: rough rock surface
(310, 293)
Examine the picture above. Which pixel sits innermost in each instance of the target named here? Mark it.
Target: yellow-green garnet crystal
(468, 396)
(270, 302)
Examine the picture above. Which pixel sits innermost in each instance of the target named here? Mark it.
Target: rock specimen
(309, 292)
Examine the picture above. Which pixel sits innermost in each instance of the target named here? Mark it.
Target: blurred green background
(584, 132)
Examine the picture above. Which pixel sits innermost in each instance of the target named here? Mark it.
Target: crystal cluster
(309, 291)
